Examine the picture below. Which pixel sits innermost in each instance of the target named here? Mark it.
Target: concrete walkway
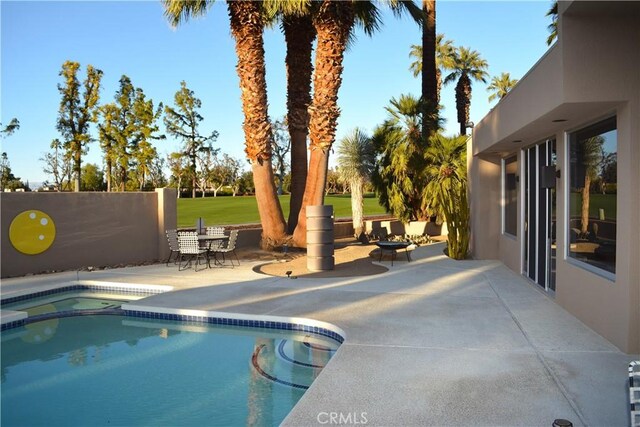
(431, 342)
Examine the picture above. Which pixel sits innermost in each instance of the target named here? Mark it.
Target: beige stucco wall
(596, 62)
(92, 229)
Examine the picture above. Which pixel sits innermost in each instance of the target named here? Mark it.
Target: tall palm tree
(299, 34)
(553, 27)
(334, 22)
(467, 65)
(447, 189)
(356, 161)
(247, 25)
(500, 86)
(444, 59)
(429, 66)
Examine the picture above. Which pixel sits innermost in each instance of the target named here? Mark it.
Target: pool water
(118, 370)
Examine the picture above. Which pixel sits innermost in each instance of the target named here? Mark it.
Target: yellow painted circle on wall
(32, 232)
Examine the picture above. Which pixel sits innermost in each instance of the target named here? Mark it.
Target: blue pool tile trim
(227, 321)
(111, 289)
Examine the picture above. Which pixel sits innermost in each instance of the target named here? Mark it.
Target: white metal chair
(229, 248)
(214, 232)
(190, 248)
(174, 248)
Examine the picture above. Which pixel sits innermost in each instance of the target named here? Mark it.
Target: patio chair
(215, 232)
(190, 248)
(229, 248)
(172, 238)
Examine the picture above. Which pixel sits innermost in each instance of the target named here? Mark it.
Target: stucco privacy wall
(92, 229)
(590, 74)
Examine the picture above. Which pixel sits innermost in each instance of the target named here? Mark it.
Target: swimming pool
(125, 370)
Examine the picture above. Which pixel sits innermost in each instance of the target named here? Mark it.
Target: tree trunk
(314, 193)
(271, 217)
(109, 172)
(333, 23)
(246, 28)
(584, 217)
(299, 34)
(77, 168)
(463, 100)
(429, 78)
(357, 207)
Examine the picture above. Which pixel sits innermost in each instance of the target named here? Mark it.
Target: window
(510, 196)
(592, 197)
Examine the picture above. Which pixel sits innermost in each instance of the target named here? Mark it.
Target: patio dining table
(208, 241)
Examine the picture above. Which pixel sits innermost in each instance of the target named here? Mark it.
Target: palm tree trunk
(357, 206)
(109, 172)
(429, 79)
(463, 100)
(246, 28)
(333, 24)
(299, 35)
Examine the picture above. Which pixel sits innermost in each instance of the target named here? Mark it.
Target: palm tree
(334, 22)
(247, 25)
(467, 65)
(447, 189)
(399, 176)
(429, 66)
(444, 59)
(553, 27)
(299, 34)
(356, 160)
(501, 85)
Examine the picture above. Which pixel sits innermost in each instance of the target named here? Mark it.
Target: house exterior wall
(596, 61)
(91, 229)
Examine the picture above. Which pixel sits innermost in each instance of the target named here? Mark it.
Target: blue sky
(133, 38)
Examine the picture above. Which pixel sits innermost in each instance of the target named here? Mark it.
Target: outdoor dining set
(193, 247)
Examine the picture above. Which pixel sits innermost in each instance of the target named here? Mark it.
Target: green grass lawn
(244, 210)
(597, 201)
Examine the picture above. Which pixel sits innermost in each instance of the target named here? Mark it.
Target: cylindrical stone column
(320, 238)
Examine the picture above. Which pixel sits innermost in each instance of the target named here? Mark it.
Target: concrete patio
(430, 342)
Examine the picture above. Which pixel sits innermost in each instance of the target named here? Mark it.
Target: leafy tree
(182, 122)
(247, 23)
(280, 147)
(92, 178)
(128, 125)
(244, 184)
(500, 86)
(400, 173)
(5, 169)
(225, 173)
(58, 165)
(180, 170)
(467, 65)
(447, 189)
(8, 130)
(356, 161)
(553, 27)
(78, 108)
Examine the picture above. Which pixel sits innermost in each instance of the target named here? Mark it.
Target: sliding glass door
(540, 213)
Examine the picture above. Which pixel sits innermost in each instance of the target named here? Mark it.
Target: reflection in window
(593, 201)
(510, 194)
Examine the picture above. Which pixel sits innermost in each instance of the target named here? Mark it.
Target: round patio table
(393, 247)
